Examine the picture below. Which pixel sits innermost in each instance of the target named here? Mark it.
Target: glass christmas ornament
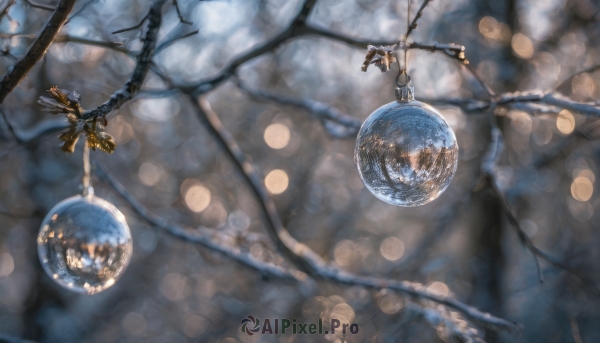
(84, 244)
(405, 151)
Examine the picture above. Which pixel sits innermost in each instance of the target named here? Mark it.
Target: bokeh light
(390, 303)
(277, 136)
(134, 323)
(194, 325)
(197, 198)
(490, 28)
(150, 173)
(7, 264)
(565, 122)
(585, 172)
(392, 248)
(582, 188)
(521, 122)
(583, 86)
(344, 253)
(522, 46)
(277, 181)
(175, 287)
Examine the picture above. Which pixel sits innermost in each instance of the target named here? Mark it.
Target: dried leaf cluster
(63, 101)
(382, 57)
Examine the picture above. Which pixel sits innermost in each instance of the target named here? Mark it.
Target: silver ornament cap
(404, 92)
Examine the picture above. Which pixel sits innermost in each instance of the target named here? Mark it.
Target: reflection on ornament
(84, 244)
(405, 152)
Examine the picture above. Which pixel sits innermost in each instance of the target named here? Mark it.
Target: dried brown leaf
(102, 141)
(69, 138)
(59, 95)
(382, 57)
(64, 101)
(53, 106)
(371, 52)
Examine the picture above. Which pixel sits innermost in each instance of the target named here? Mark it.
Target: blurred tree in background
(235, 121)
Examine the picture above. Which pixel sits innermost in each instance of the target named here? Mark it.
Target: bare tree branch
(37, 49)
(62, 38)
(318, 109)
(309, 29)
(144, 59)
(551, 101)
(489, 167)
(299, 254)
(39, 130)
(291, 31)
(563, 102)
(118, 46)
(537, 251)
(204, 237)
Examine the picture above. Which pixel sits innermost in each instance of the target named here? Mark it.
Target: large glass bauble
(406, 153)
(84, 244)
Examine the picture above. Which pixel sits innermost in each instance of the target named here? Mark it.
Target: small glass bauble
(406, 153)
(84, 244)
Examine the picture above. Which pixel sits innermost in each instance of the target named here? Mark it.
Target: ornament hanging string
(86, 180)
(402, 79)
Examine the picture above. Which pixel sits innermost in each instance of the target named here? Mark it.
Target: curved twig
(37, 49)
(318, 109)
(144, 58)
(413, 24)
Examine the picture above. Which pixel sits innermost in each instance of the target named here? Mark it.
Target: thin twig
(293, 30)
(490, 93)
(62, 38)
(144, 58)
(360, 43)
(117, 46)
(489, 167)
(81, 9)
(318, 109)
(537, 251)
(181, 19)
(418, 16)
(167, 43)
(37, 49)
(4, 12)
(132, 27)
(569, 79)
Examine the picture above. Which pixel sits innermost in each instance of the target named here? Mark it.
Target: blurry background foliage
(460, 245)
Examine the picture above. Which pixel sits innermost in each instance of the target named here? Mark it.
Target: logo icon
(250, 320)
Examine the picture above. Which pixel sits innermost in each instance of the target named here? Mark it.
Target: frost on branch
(63, 101)
(381, 57)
